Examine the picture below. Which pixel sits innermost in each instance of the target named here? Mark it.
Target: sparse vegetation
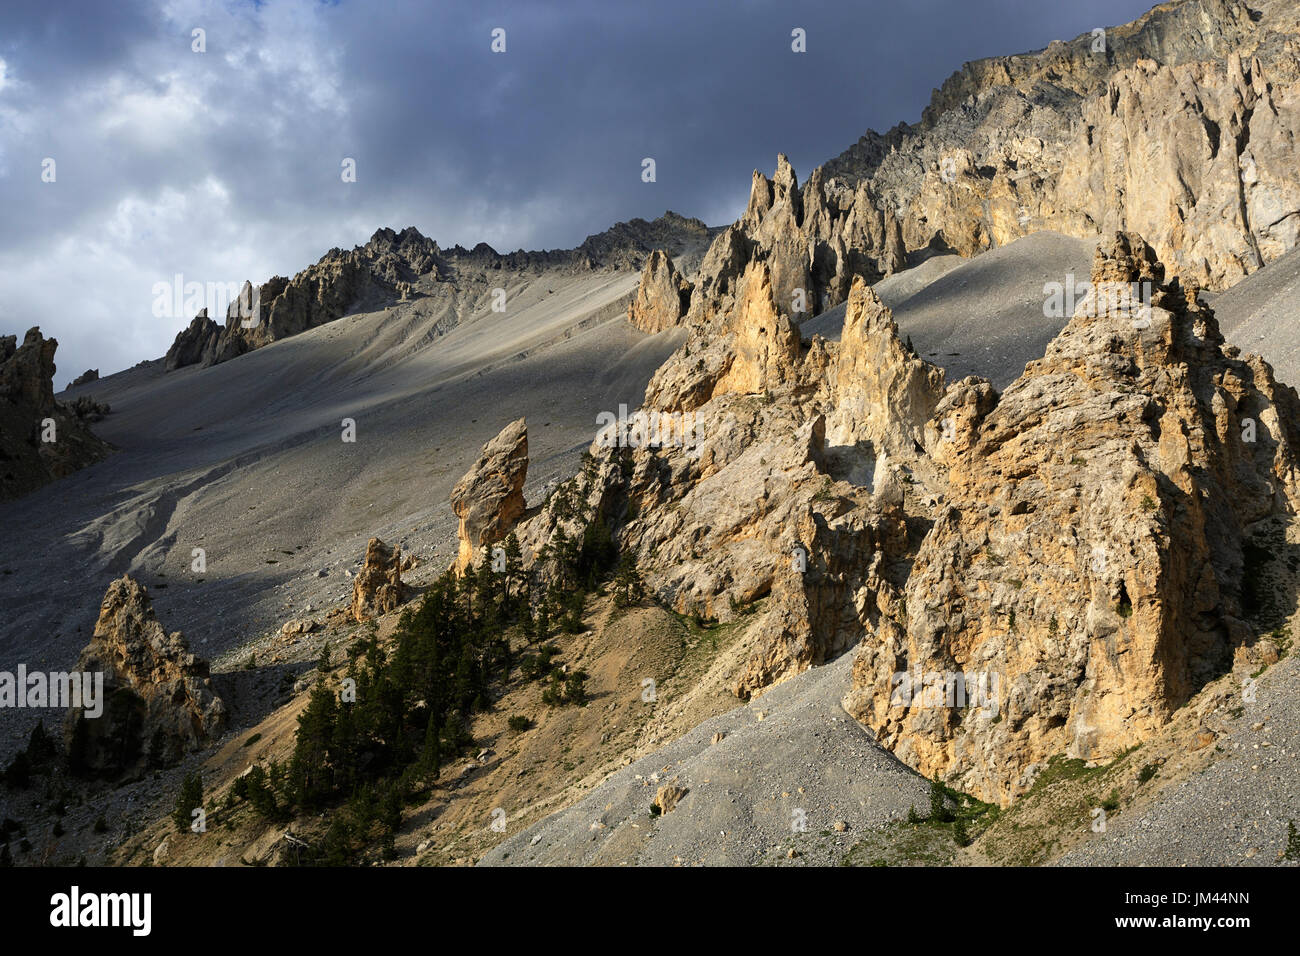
(956, 819)
(360, 757)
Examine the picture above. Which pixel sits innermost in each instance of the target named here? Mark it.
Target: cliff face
(40, 438)
(1182, 127)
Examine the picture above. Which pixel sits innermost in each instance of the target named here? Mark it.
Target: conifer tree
(190, 798)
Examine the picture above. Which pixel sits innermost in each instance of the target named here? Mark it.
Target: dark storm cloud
(225, 165)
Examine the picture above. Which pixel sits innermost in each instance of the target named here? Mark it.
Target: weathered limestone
(158, 701)
(489, 499)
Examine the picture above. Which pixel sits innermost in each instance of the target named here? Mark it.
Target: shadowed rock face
(489, 499)
(29, 415)
(1094, 555)
(378, 587)
(158, 702)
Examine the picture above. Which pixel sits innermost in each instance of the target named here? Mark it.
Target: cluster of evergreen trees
(374, 736)
(37, 757)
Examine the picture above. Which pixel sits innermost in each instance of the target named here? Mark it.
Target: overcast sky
(225, 165)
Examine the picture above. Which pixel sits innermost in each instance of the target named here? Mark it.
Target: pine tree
(390, 820)
(628, 588)
(939, 812)
(514, 577)
(431, 755)
(310, 777)
(190, 798)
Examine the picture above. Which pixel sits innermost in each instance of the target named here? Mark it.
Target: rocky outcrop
(158, 702)
(87, 409)
(662, 297)
(764, 345)
(884, 395)
(1180, 126)
(86, 377)
(747, 350)
(667, 798)
(40, 438)
(489, 498)
(814, 240)
(1076, 554)
(378, 587)
(378, 273)
(194, 343)
(727, 490)
(1092, 564)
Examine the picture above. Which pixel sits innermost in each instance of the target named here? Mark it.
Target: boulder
(297, 627)
(668, 797)
(378, 588)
